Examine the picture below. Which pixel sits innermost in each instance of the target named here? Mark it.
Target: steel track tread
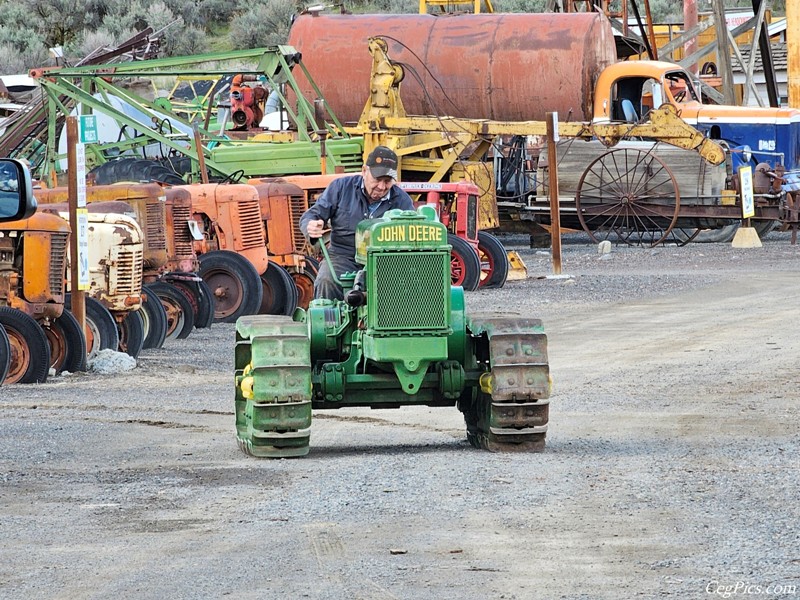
(511, 409)
(273, 360)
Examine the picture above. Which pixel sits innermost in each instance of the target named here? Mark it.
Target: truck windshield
(679, 88)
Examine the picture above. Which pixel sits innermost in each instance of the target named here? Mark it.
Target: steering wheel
(234, 177)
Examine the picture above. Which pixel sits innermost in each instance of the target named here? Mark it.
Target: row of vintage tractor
(165, 259)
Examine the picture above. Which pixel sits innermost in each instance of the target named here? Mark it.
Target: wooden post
(723, 53)
(689, 22)
(793, 53)
(552, 170)
(201, 158)
(78, 296)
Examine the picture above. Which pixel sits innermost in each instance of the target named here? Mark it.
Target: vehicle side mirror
(16, 191)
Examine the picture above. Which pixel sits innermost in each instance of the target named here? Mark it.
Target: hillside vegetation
(29, 28)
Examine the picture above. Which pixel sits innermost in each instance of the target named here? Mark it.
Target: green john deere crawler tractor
(400, 337)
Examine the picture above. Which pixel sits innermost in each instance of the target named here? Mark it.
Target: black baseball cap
(382, 162)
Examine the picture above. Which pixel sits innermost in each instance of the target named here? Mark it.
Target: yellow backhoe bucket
(516, 267)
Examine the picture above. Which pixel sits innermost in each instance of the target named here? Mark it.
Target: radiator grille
(252, 228)
(128, 273)
(58, 262)
(297, 206)
(183, 237)
(410, 290)
(156, 238)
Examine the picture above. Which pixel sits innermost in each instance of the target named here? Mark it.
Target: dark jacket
(344, 205)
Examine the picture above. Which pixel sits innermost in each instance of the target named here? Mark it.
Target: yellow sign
(83, 248)
(746, 179)
(409, 233)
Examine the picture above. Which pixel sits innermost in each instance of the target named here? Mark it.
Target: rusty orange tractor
(232, 246)
(40, 331)
(170, 266)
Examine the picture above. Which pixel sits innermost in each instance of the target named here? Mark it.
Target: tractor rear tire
(155, 319)
(5, 354)
(101, 328)
(465, 264)
(234, 283)
(494, 261)
(280, 294)
(131, 333)
(29, 350)
(180, 314)
(67, 344)
(304, 282)
(200, 297)
(135, 170)
(764, 227)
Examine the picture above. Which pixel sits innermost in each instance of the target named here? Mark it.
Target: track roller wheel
(465, 265)
(273, 386)
(509, 410)
(29, 350)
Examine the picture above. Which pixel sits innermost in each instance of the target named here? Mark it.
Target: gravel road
(671, 468)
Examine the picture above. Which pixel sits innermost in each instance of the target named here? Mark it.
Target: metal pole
(78, 296)
(552, 170)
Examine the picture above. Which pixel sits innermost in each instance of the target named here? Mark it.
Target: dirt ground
(671, 467)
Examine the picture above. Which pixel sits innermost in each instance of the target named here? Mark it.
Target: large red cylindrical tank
(511, 67)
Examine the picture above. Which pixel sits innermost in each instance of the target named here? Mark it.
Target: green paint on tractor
(402, 336)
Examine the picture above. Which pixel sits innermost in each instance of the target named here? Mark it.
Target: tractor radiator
(297, 206)
(125, 271)
(410, 291)
(183, 236)
(58, 263)
(156, 239)
(251, 227)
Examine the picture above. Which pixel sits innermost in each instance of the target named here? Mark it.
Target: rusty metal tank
(511, 67)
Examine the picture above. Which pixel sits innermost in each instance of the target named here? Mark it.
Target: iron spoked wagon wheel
(630, 195)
